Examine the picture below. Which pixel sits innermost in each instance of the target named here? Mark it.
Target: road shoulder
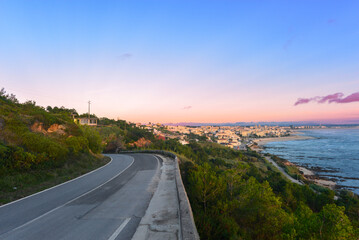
(162, 218)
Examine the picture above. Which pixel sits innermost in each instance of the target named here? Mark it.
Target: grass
(318, 188)
(16, 185)
(293, 171)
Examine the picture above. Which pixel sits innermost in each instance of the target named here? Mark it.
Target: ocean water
(332, 153)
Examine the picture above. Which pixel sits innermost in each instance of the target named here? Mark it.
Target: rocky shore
(296, 136)
(312, 176)
(308, 174)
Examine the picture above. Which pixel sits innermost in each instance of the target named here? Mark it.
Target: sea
(330, 153)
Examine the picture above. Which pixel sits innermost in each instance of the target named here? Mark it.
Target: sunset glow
(185, 61)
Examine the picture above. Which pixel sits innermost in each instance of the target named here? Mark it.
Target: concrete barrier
(187, 225)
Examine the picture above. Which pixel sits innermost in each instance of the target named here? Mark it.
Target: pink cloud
(302, 101)
(332, 98)
(351, 98)
(187, 107)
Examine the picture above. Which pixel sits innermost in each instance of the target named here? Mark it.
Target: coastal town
(243, 138)
(236, 137)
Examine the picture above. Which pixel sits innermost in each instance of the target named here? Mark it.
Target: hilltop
(41, 147)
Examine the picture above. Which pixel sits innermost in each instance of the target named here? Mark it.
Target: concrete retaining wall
(188, 226)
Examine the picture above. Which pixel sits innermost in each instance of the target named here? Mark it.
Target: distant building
(90, 121)
(86, 121)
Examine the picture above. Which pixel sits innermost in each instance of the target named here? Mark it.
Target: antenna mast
(88, 114)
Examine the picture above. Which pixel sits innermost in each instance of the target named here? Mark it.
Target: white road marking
(119, 229)
(45, 190)
(33, 220)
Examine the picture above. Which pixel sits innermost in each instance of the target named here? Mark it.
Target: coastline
(309, 175)
(296, 136)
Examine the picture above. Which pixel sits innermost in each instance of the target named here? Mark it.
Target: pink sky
(185, 61)
(157, 103)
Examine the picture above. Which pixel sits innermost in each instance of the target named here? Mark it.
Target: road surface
(282, 171)
(105, 204)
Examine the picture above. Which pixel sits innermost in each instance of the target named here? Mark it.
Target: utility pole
(88, 114)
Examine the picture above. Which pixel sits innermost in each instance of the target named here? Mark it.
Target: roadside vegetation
(288, 167)
(238, 195)
(41, 147)
(233, 194)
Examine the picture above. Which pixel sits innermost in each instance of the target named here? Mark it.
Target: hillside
(239, 195)
(234, 194)
(40, 148)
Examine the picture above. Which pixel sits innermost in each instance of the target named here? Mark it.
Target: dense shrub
(77, 144)
(37, 143)
(234, 197)
(94, 139)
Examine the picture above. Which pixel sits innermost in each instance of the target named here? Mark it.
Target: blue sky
(147, 60)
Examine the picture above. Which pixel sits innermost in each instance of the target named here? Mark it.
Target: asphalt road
(105, 204)
(282, 171)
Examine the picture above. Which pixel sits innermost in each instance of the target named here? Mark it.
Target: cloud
(187, 107)
(332, 98)
(351, 98)
(125, 56)
(302, 101)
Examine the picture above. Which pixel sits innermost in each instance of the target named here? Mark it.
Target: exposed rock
(54, 128)
(38, 127)
(57, 128)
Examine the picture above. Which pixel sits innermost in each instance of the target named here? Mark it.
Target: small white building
(87, 121)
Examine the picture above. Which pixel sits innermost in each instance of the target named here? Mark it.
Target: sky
(185, 61)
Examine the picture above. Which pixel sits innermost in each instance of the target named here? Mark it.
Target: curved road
(282, 171)
(107, 203)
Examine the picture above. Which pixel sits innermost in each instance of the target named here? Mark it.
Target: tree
(233, 179)
(205, 185)
(306, 223)
(2, 92)
(260, 213)
(12, 98)
(334, 224)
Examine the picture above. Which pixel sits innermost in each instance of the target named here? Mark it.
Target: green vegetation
(40, 148)
(289, 168)
(238, 195)
(233, 194)
(120, 135)
(18, 184)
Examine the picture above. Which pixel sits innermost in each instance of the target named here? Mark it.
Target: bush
(38, 143)
(23, 160)
(16, 158)
(94, 139)
(77, 144)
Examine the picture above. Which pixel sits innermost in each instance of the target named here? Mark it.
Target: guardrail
(187, 224)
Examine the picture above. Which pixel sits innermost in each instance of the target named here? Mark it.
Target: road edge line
(119, 229)
(48, 189)
(43, 215)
